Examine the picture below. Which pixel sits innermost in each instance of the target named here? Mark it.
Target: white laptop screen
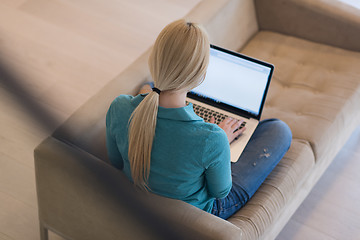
(235, 80)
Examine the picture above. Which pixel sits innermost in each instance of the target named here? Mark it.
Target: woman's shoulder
(214, 134)
(121, 107)
(119, 103)
(122, 99)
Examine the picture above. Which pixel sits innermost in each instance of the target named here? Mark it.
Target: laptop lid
(235, 83)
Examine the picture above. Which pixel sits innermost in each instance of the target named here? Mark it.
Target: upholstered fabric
(229, 23)
(328, 22)
(315, 88)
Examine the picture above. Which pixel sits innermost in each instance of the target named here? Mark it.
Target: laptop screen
(236, 81)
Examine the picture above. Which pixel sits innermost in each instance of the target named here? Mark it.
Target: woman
(162, 146)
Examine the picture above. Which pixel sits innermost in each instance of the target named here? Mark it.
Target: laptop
(235, 86)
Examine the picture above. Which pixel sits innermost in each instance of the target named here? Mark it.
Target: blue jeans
(269, 143)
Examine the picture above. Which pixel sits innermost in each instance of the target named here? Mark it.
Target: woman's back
(189, 158)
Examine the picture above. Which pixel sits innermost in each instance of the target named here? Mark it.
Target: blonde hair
(178, 62)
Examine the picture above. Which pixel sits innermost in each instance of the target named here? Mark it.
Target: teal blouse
(190, 159)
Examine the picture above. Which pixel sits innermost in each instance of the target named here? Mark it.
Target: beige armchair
(314, 45)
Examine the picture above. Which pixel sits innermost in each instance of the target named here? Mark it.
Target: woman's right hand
(229, 125)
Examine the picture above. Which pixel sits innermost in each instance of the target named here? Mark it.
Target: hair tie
(156, 90)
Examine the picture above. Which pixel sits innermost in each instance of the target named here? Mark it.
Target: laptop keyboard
(206, 114)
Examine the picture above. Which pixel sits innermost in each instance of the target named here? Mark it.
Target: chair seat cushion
(315, 88)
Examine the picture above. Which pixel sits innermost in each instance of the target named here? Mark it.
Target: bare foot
(145, 89)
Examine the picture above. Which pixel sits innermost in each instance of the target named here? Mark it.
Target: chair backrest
(229, 23)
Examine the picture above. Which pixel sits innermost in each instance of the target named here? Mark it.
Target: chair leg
(44, 234)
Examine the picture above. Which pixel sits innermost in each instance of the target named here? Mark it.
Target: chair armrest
(328, 22)
(82, 197)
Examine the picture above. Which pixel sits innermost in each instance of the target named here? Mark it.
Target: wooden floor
(65, 51)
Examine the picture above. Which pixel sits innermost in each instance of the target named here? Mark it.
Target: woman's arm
(218, 169)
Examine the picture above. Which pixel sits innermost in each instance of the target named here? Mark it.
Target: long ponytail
(141, 136)
(178, 61)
